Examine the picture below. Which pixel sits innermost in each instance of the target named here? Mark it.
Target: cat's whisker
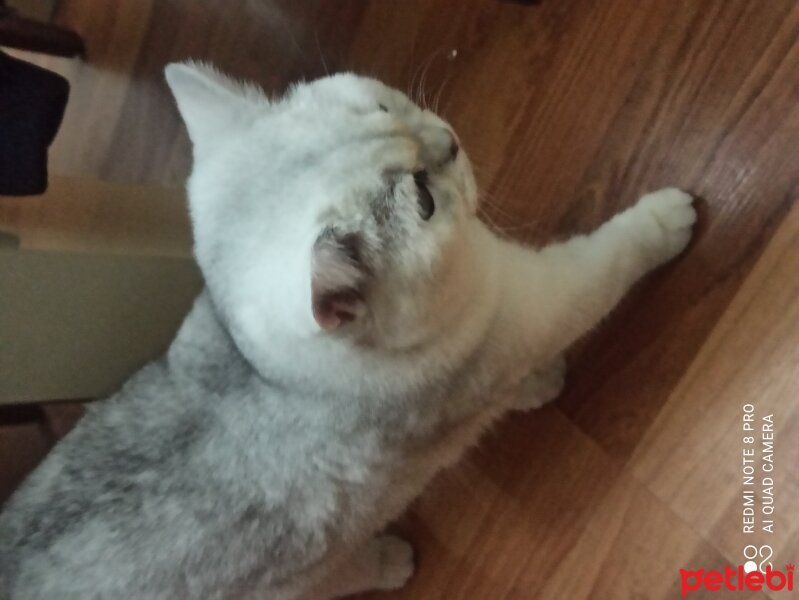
(422, 81)
(321, 55)
(420, 85)
(504, 214)
(288, 32)
(425, 73)
(437, 99)
(422, 101)
(412, 81)
(495, 207)
(508, 230)
(487, 200)
(486, 217)
(412, 86)
(481, 210)
(490, 200)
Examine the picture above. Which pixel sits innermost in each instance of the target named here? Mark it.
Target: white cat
(360, 328)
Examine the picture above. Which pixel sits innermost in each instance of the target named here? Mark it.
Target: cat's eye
(427, 205)
(383, 107)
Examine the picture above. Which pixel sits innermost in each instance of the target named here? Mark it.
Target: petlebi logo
(758, 508)
(736, 579)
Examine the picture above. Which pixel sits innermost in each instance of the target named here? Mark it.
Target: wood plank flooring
(570, 110)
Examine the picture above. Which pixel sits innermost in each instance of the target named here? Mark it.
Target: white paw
(396, 562)
(670, 215)
(542, 385)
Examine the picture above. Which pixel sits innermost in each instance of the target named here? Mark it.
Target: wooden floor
(570, 109)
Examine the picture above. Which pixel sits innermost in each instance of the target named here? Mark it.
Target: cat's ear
(210, 103)
(338, 279)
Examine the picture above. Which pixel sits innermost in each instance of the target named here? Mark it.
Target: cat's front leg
(541, 386)
(386, 562)
(553, 296)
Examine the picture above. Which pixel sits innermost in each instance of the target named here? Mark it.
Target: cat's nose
(440, 145)
(454, 147)
(450, 143)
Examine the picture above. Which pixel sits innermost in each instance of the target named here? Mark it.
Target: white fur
(454, 294)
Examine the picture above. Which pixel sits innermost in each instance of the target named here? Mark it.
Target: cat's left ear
(338, 280)
(211, 104)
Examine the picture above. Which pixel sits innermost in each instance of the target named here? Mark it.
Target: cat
(360, 327)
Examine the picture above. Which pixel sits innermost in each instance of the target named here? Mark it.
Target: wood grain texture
(570, 110)
(750, 357)
(89, 215)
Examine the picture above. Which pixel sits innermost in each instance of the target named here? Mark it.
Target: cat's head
(337, 209)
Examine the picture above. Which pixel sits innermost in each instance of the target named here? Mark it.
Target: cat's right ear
(210, 103)
(338, 280)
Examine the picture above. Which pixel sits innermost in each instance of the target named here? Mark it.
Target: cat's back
(168, 489)
(103, 493)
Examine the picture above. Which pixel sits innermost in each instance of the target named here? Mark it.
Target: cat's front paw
(542, 385)
(668, 217)
(396, 562)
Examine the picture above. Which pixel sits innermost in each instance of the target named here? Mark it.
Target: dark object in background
(26, 34)
(32, 103)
